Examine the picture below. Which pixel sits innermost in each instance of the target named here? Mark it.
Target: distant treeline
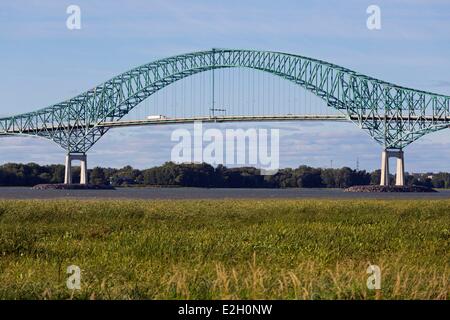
(204, 175)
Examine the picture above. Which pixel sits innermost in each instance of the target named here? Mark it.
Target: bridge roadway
(220, 119)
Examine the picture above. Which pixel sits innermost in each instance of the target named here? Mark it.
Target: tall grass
(229, 249)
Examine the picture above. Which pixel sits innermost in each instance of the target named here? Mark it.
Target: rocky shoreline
(364, 188)
(376, 188)
(61, 186)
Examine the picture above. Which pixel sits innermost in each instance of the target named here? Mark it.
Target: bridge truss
(394, 116)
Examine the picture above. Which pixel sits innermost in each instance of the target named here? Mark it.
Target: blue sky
(43, 62)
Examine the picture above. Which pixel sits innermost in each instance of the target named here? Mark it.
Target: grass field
(244, 249)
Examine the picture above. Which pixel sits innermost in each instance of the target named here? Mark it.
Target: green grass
(243, 249)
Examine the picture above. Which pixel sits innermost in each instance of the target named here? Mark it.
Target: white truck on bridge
(156, 117)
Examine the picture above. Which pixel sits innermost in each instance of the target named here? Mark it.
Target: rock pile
(61, 186)
(376, 188)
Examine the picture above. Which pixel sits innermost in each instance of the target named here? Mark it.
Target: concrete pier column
(83, 171)
(400, 168)
(400, 173)
(384, 168)
(68, 171)
(83, 166)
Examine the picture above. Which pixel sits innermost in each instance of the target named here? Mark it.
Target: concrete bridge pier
(83, 166)
(400, 170)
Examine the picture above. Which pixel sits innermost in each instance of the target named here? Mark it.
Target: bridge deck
(219, 119)
(126, 123)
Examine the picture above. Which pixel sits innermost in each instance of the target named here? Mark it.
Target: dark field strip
(224, 249)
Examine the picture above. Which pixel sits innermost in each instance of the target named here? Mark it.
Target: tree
(375, 177)
(329, 178)
(308, 177)
(204, 175)
(97, 176)
(441, 180)
(57, 173)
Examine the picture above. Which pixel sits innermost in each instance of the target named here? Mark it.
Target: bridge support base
(400, 172)
(83, 166)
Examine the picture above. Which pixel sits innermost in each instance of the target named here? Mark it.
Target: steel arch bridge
(394, 116)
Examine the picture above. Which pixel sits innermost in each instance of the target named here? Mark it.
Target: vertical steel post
(213, 80)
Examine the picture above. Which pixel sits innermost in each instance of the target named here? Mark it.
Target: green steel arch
(393, 115)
